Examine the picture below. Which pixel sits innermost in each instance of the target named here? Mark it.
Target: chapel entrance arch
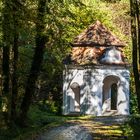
(110, 94)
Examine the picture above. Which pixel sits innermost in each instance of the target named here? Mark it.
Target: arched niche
(110, 93)
(76, 90)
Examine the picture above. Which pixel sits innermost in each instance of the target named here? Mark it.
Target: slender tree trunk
(6, 46)
(135, 54)
(37, 60)
(15, 62)
(5, 64)
(138, 27)
(7, 30)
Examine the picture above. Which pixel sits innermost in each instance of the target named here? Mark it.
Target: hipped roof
(97, 35)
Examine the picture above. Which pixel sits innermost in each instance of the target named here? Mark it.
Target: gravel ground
(67, 132)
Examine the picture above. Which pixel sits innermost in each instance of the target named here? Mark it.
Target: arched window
(76, 89)
(114, 96)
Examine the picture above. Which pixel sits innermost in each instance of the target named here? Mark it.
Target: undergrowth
(38, 122)
(132, 127)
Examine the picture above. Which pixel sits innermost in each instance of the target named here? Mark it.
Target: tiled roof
(86, 55)
(97, 35)
(91, 55)
(96, 45)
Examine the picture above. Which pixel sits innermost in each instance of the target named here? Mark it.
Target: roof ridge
(97, 35)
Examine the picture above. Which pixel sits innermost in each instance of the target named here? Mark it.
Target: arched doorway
(110, 94)
(76, 90)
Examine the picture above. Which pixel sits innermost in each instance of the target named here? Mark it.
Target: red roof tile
(97, 35)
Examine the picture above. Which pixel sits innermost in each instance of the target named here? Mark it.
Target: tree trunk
(15, 62)
(37, 60)
(6, 25)
(7, 30)
(138, 27)
(135, 54)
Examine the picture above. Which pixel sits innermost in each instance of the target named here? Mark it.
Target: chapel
(96, 74)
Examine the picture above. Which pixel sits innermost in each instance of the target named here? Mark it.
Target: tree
(135, 33)
(11, 15)
(7, 40)
(41, 40)
(16, 6)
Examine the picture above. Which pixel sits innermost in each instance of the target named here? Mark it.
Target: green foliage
(38, 121)
(134, 124)
(64, 22)
(37, 115)
(116, 1)
(133, 97)
(48, 106)
(131, 128)
(133, 103)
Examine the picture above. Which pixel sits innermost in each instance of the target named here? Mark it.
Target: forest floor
(99, 128)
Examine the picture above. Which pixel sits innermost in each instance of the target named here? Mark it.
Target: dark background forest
(35, 37)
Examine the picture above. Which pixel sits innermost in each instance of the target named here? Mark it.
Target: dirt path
(70, 131)
(100, 128)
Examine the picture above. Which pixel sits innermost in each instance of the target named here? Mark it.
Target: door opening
(114, 96)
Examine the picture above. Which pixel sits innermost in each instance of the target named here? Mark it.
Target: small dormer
(112, 56)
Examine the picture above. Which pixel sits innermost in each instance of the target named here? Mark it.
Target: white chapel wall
(90, 81)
